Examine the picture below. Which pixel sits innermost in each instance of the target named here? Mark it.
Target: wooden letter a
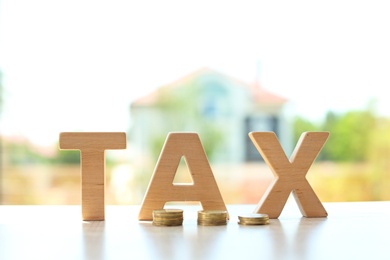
(161, 188)
(290, 174)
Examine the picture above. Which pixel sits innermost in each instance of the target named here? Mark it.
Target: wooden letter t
(92, 148)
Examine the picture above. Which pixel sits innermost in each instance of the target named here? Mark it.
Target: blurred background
(221, 69)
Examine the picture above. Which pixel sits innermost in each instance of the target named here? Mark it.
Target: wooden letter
(290, 176)
(92, 148)
(161, 188)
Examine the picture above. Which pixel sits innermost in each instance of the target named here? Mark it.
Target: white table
(359, 230)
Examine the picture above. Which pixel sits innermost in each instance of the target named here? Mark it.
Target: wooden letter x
(161, 188)
(92, 147)
(290, 175)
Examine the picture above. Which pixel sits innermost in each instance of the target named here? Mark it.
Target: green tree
(23, 153)
(350, 135)
(66, 157)
(301, 125)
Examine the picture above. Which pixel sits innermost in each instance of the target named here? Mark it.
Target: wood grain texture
(290, 175)
(92, 146)
(161, 188)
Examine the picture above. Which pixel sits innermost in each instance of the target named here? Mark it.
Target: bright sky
(76, 65)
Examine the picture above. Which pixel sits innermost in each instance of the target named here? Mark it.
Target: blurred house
(223, 110)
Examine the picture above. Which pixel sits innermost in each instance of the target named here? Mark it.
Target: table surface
(354, 230)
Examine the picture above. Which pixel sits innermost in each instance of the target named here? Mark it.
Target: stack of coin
(212, 217)
(167, 217)
(253, 219)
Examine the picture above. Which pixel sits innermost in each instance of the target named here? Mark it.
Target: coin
(253, 219)
(212, 217)
(167, 217)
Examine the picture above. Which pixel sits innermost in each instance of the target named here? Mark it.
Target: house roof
(265, 97)
(258, 93)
